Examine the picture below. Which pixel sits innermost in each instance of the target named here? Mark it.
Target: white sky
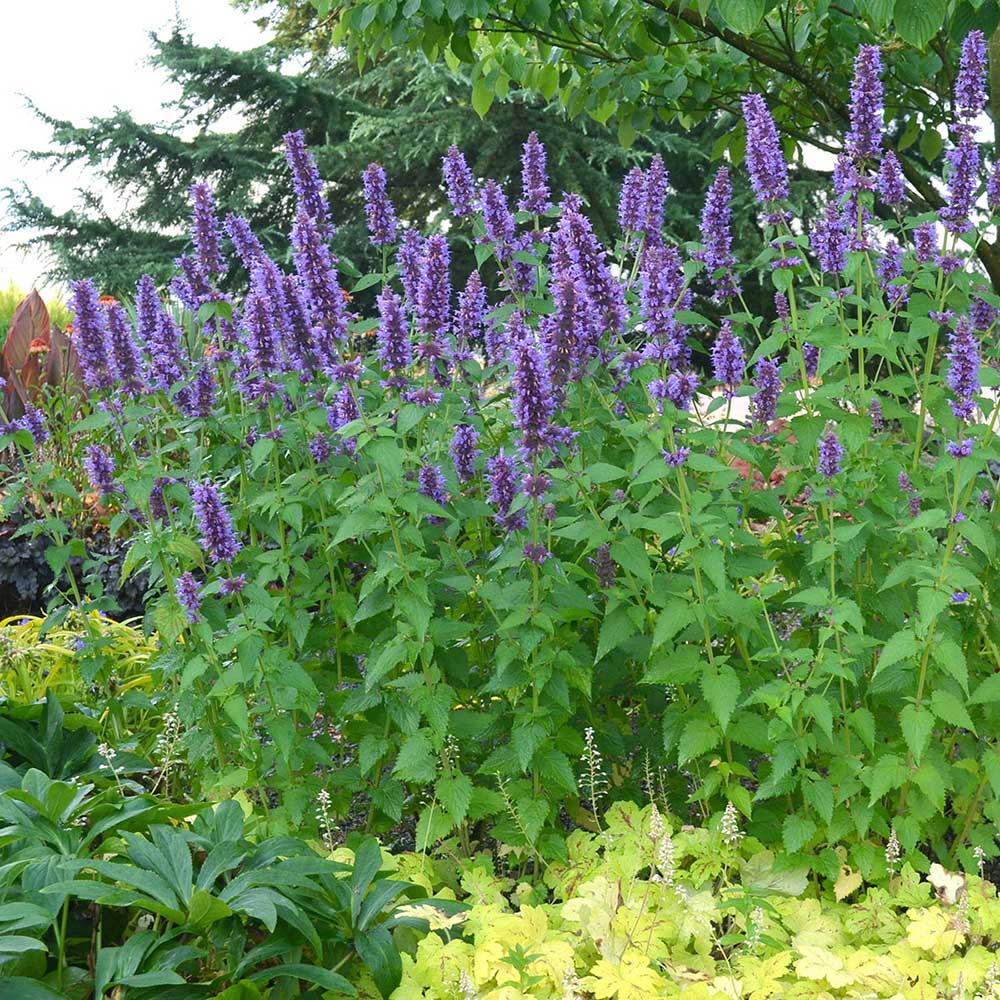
(81, 58)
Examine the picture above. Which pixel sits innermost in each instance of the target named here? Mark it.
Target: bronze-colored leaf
(29, 323)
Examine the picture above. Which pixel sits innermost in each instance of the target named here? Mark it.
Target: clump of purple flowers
(963, 369)
(831, 454)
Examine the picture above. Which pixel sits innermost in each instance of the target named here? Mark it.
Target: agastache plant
(592, 489)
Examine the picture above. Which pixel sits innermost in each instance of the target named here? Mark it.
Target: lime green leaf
(482, 97)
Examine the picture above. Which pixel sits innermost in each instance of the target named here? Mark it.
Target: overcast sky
(79, 58)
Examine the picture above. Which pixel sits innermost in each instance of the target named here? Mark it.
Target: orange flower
(210, 350)
(38, 346)
(68, 329)
(107, 300)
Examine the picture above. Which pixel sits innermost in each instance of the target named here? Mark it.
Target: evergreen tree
(402, 111)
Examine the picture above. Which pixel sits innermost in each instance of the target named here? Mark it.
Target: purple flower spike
(431, 484)
(571, 333)
(810, 357)
(728, 363)
(960, 449)
(970, 85)
(188, 594)
(90, 336)
(963, 178)
(534, 182)
(680, 389)
(232, 584)
(433, 308)
(320, 448)
(717, 237)
(654, 196)
(205, 231)
(865, 138)
(502, 476)
(533, 402)
(993, 189)
(605, 568)
(125, 356)
(891, 185)
(394, 348)
(314, 266)
(100, 469)
(497, 219)
(408, 261)
(248, 247)
(764, 158)
(831, 453)
(925, 242)
(307, 183)
(378, 208)
(464, 452)
(460, 183)
(963, 369)
(829, 240)
(767, 382)
(467, 322)
(33, 421)
(632, 201)
(216, 526)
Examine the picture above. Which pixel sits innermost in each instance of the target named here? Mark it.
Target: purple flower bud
(904, 482)
(158, 505)
(188, 594)
(459, 182)
(875, 412)
(865, 138)
(424, 396)
(891, 185)
(536, 552)
(676, 458)
(960, 449)
(764, 158)
(100, 469)
(963, 369)
(536, 485)
(378, 208)
(767, 382)
(605, 568)
(232, 584)
(205, 231)
(534, 182)
(831, 452)
(632, 201)
(781, 307)
(218, 538)
(728, 362)
(464, 451)
(307, 183)
(914, 505)
(960, 596)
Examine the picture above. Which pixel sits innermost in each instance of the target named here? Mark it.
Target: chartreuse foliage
(637, 913)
